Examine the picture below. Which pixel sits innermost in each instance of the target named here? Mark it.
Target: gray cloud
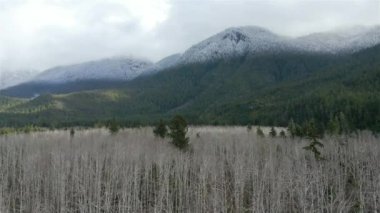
(38, 34)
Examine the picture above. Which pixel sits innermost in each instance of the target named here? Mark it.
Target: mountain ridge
(239, 41)
(12, 78)
(233, 42)
(105, 69)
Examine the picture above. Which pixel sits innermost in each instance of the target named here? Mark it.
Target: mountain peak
(245, 33)
(249, 29)
(235, 36)
(239, 41)
(232, 42)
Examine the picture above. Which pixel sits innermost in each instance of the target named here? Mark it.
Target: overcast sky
(38, 34)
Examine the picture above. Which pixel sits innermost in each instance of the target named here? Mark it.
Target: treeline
(335, 113)
(359, 110)
(337, 126)
(25, 129)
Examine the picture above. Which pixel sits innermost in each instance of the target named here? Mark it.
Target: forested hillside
(7, 103)
(265, 89)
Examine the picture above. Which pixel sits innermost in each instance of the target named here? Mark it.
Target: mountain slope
(106, 73)
(340, 41)
(351, 87)
(230, 44)
(35, 89)
(251, 40)
(268, 88)
(106, 69)
(9, 103)
(169, 61)
(264, 89)
(234, 42)
(8, 78)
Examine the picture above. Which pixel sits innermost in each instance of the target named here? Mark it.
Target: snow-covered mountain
(11, 78)
(340, 41)
(238, 41)
(233, 42)
(105, 69)
(168, 61)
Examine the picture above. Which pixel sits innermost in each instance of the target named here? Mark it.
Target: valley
(190, 106)
(266, 89)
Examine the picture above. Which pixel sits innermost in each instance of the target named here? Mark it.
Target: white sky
(38, 34)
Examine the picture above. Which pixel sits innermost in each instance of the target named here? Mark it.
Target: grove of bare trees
(228, 170)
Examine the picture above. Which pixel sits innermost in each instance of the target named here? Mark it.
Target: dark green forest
(266, 89)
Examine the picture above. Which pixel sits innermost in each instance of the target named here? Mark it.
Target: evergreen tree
(283, 134)
(113, 127)
(300, 132)
(338, 125)
(343, 124)
(312, 133)
(177, 132)
(260, 132)
(310, 129)
(272, 132)
(333, 127)
(292, 128)
(313, 147)
(72, 132)
(160, 130)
